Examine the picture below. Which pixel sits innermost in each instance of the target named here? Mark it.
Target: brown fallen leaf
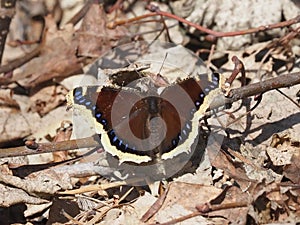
(155, 207)
(63, 134)
(6, 99)
(234, 215)
(11, 196)
(47, 99)
(14, 125)
(57, 59)
(280, 199)
(219, 160)
(184, 196)
(60, 208)
(282, 149)
(292, 171)
(94, 37)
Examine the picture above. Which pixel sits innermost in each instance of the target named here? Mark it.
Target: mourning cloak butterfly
(141, 126)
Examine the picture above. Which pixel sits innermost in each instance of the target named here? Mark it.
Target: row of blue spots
(202, 95)
(78, 92)
(215, 81)
(118, 142)
(88, 104)
(101, 120)
(212, 86)
(193, 111)
(215, 78)
(199, 102)
(182, 135)
(78, 97)
(215, 84)
(82, 100)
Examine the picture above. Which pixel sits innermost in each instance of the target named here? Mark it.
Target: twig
(70, 218)
(238, 68)
(281, 81)
(78, 16)
(180, 219)
(204, 209)
(17, 63)
(98, 187)
(288, 97)
(156, 12)
(116, 204)
(234, 95)
(117, 5)
(155, 207)
(50, 147)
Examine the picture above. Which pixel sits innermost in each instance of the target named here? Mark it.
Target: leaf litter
(254, 179)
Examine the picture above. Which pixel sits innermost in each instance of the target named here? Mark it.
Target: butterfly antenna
(163, 63)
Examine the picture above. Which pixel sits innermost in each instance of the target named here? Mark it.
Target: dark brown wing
(179, 109)
(112, 108)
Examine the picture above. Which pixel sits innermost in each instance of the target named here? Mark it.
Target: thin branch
(17, 63)
(281, 81)
(234, 95)
(79, 15)
(238, 68)
(204, 209)
(155, 207)
(49, 147)
(156, 12)
(288, 97)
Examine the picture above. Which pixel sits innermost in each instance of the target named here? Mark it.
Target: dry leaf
(182, 199)
(57, 59)
(281, 150)
(94, 37)
(292, 171)
(40, 183)
(47, 99)
(6, 99)
(14, 125)
(233, 215)
(63, 134)
(11, 196)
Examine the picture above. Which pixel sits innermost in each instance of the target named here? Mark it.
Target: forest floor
(238, 165)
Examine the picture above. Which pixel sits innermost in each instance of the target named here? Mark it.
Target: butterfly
(140, 123)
